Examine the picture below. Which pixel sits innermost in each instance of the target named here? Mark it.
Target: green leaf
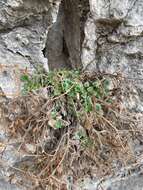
(54, 114)
(96, 84)
(58, 124)
(110, 101)
(25, 78)
(106, 83)
(97, 93)
(88, 104)
(66, 84)
(90, 90)
(98, 107)
(86, 84)
(79, 88)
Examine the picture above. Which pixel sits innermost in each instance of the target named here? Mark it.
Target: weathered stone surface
(63, 45)
(23, 32)
(113, 43)
(24, 25)
(113, 39)
(35, 32)
(54, 51)
(72, 31)
(133, 182)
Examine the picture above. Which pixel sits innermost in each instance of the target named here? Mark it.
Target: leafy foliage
(82, 96)
(72, 120)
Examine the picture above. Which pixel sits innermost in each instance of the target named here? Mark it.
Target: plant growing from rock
(70, 118)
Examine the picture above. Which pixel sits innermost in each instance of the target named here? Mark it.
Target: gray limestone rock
(24, 25)
(43, 32)
(114, 43)
(133, 182)
(23, 32)
(113, 39)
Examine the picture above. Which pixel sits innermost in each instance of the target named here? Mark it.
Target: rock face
(113, 39)
(113, 43)
(36, 33)
(63, 40)
(24, 25)
(23, 32)
(133, 182)
(47, 33)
